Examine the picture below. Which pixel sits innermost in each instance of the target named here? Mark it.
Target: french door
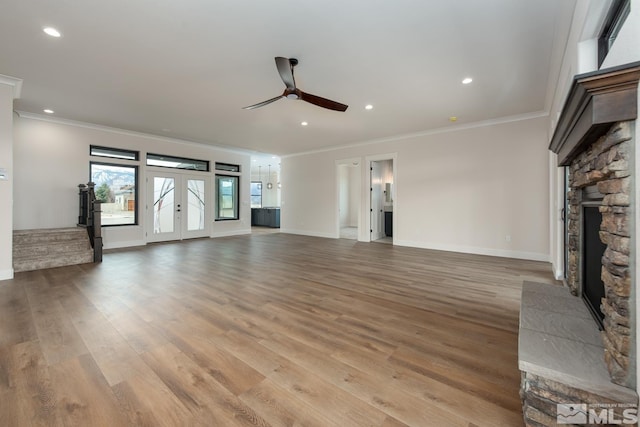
(177, 206)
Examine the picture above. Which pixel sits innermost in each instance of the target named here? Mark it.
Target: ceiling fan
(285, 68)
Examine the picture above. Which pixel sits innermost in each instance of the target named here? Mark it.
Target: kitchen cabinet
(388, 224)
(265, 217)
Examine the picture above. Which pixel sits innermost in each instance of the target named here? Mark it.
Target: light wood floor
(259, 330)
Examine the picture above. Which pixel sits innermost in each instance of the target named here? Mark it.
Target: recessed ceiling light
(467, 80)
(304, 123)
(51, 31)
(368, 107)
(48, 111)
(453, 119)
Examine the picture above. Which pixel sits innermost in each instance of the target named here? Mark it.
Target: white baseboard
(6, 274)
(124, 244)
(230, 233)
(503, 253)
(558, 273)
(308, 233)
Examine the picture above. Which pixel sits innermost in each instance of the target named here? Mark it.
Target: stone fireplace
(577, 345)
(599, 177)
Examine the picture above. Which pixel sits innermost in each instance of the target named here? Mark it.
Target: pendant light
(279, 166)
(260, 177)
(269, 184)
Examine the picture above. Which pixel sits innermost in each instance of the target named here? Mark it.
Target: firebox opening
(592, 252)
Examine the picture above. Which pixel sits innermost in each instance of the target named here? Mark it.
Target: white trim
(367, 204)
(355, 162)
(454, 128)
(558, 274)
(532, 256)
(12, 81)
(6, 274)
(308, 233)
(230, 233)
(124, 244)
(68, 122)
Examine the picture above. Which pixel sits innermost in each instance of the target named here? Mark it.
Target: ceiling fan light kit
(285, 69)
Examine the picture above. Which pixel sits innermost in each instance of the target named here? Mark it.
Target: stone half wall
(606, 163)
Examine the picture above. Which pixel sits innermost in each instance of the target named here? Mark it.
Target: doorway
(349, 196)
(177, 206)
(381, 201)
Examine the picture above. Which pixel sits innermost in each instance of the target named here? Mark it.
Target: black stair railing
(90, 217)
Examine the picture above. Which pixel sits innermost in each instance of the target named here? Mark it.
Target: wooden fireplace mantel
(596, 101)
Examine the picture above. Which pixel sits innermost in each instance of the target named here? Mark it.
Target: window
(177, 162)
(615, 19)
(114, 153)
(228, 197)
(256, 194)
(116, 187)
(227, 167)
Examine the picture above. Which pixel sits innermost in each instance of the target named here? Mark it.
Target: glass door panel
(178, 208)
(164, 214)
(195, 205)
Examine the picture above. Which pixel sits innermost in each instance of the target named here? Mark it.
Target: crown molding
(92, 126)
(16, 83)
(437, 131)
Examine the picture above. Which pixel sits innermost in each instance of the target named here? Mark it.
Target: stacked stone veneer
(541, 395)
(606, 163)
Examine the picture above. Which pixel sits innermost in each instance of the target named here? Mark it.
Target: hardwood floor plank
(232, 373)
(27, 396)
(16, 322)
(372, 389)
(281, 408)
(339, 406)
(144, 400)
(272, 329)
(83, 396)
(58, 337)
(198, 391)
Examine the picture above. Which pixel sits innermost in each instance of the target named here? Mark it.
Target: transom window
(114, 153)
(613, 24)
(227, 167)
(177, 162)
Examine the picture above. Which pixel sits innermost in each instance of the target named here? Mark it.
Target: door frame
(181, 179)
(351, 162)
(366, 234)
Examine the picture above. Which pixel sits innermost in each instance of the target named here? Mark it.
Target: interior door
(377, 216)
(177, 207)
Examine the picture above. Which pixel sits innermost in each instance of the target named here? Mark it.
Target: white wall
(52, 158)
(463, 190)
(344, 192)
(354, 195)
(6, 186)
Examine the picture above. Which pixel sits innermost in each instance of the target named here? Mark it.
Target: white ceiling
(184, 69)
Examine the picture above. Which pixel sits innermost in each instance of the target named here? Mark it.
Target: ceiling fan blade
(323, 102)
(262, 104)
(286, 71)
